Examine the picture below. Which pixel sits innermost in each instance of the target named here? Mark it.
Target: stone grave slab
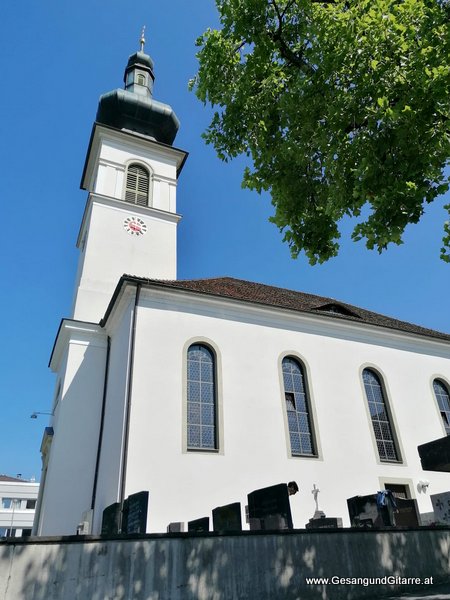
(269, 508)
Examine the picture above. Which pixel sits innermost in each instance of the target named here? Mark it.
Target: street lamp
(35, 414)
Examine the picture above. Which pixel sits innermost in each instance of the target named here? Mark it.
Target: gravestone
(201, 524)
(435, 455)
(407, 514)
(176, 527)
(134, 518)
(324, 523)
(269, 508)
(364, 512)
(441, 507)
(227, 518)
(111, 519)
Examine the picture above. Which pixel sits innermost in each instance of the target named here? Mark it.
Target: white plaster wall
(115, 154)
(111, 453)
(107, 250)
(110, 251)
(68, 486)
(187, 485)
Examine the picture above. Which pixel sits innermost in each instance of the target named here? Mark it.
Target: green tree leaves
(339, 105)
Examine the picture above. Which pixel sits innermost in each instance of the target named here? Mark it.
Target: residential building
(18, 499)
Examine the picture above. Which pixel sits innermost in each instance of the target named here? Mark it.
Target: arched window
(201, 398)
(137, 185)
(443, 400)
(297, 409)
(140, 79)
(381, 422)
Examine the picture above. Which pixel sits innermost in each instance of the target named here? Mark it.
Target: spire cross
(142, 40)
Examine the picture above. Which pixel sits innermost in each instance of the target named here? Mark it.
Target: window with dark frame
(381, 421)
(443, 399)
(297, 408)
(201, 398)
(399, 490)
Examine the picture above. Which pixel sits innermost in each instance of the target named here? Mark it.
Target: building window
(7, 532)
(201, 398)
(443, 400)
(137, 185)
(31, 504)
(140, 79)
(297, 409)
(399, 490)
(12, 503)
(381, 422)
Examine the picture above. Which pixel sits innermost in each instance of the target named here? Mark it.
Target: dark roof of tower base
(124, 110)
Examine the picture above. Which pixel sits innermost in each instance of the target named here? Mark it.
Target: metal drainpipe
(128, 400)
(102, 423)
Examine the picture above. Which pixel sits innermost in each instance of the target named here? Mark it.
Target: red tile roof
(267, 295)
(8, 478)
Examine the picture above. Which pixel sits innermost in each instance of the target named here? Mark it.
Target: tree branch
(285, 51)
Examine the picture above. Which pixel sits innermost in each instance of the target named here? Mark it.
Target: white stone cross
(315, 492)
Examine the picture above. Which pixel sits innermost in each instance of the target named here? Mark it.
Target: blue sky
(56, 58)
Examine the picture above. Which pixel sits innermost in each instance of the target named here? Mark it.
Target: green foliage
(340, 105)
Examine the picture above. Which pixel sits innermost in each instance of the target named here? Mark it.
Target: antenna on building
(142, 40)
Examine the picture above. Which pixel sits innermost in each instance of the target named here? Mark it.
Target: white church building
(201, 391)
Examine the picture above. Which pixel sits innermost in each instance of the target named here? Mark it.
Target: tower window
(297, 408)
(201, 398)
(443, 400)
(381, 421)
(140, 79)
(137, 185)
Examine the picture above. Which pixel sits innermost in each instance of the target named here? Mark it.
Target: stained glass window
(201, 398)
(443, 400)
(381, 422)
(297, 409)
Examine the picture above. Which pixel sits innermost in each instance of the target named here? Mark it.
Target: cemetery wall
(250, 565)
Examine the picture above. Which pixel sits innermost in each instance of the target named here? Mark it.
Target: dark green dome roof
(124, 110)
(140, 58)
(133, 108)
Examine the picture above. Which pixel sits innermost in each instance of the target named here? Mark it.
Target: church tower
(131, 169)
(129, 226)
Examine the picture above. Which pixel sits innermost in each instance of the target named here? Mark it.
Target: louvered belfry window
(136, 190)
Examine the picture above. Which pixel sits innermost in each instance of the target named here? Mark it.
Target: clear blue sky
(56, 58)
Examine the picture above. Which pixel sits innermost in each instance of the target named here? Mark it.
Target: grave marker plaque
(435, 455)
(364, 512)
(227, 518)
(441, 507)
(111, 519)
(269, 508)
(135, 508)
(199, 524)
(175, 527)
(407, 514)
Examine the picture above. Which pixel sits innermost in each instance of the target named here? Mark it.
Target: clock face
(134, 226)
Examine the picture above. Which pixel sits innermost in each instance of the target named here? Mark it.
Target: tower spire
(142, 40)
